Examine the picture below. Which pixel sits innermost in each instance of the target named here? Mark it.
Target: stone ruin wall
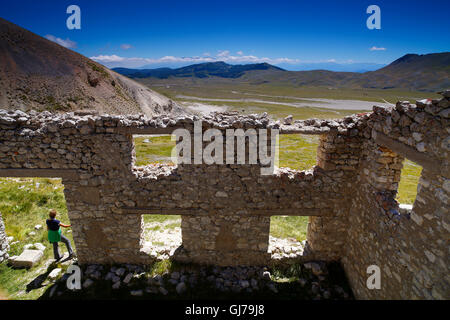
(4, 244)
(226, 209)
(411, 248)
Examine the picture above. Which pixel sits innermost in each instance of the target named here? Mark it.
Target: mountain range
(428, 72)
(202, 70)
(38, 74)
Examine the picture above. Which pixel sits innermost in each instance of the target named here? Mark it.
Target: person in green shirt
(55, 236)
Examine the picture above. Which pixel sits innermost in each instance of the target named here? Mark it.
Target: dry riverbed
(333, 104)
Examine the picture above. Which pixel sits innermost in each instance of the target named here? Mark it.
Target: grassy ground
(288, 227)
(170, 222)
(280, 111)
(407, 189)
(217, 88)
(24, 203)
(153, 149)
(298, 151)
(158, 218)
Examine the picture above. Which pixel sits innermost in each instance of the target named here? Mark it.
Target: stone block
(27, 259)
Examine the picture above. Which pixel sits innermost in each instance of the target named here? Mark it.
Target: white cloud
(112, 58)
(377, 49)
(223, 53)
(126, 46)
(221, 56)
(65, 43)
(240, 53)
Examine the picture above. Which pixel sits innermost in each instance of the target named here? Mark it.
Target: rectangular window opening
(162, 235)
(287, 236)
(409, 181)
(152, 149)
(298, 151)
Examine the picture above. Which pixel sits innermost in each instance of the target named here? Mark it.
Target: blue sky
(291, 34)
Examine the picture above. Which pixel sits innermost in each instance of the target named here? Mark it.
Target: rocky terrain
(313, 280)
(38, 74)
(4, 243)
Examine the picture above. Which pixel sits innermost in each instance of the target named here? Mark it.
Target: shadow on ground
(295, 282)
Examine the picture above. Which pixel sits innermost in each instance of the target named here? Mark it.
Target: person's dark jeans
(56, 247)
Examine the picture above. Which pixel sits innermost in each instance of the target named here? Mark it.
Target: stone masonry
(225, 209)
(4, 245)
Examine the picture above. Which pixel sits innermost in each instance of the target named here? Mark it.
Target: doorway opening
(162, 235)
(25, 204)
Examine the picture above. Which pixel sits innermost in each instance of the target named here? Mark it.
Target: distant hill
(202, 70)
(421, 72)
(429, 72)
(38, 74)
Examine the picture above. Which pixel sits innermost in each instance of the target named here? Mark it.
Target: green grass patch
(98, 69)
(24, 203)
(407, 189)
(153, 149)
(161, 267)
(298, 151)
(289, 227)
(149, 218)
(236, 89)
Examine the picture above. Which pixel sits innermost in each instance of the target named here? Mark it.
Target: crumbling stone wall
(225, 209)
(349, 195)
(410, 248)
(4, 245)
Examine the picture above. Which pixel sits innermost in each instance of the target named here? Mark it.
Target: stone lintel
(243, 212)
(408, 152)
(44, 173)
(170, 130)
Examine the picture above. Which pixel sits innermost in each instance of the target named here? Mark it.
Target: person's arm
(65, 225)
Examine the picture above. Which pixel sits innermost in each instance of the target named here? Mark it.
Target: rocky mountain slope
(38, 74)
(422, 72)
